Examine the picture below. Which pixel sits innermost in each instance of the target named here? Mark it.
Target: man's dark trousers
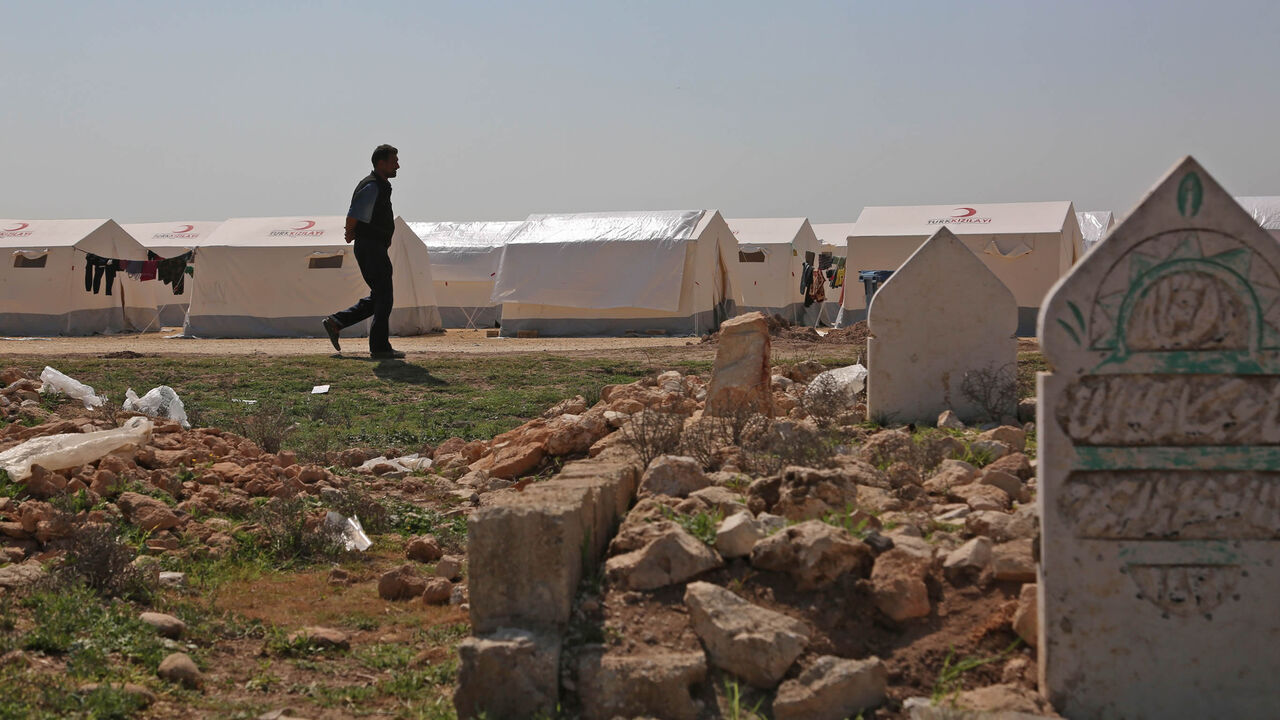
(375, 266)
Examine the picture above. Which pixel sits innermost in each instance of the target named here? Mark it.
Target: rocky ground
(799, 563)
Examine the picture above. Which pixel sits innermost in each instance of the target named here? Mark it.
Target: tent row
(673, 272)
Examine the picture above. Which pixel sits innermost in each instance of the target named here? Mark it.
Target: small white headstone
(941, 317)
(1159, 465)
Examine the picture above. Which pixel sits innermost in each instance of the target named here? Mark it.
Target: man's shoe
(333, 328)
(387, 355)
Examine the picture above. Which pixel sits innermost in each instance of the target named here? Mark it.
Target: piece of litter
(319, 389)
(353, 537)
(246, 402)
(55, 381)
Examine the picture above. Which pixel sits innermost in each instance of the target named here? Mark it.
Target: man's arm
(361, 209)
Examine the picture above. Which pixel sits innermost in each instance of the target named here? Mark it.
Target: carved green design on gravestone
(1190, 195)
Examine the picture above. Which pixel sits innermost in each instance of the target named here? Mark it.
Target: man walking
(370, 224)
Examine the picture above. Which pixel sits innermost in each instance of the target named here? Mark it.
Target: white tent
(464, 263)
(167, 240)
(279, 277)
(1027, 245)
(43, 281)
(1094, 225)
(1266, 210)
(613, 273)
(834, 238)
(771, 253)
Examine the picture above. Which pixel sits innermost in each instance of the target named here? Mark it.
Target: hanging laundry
(173, 271)
(96, 269)
(806, 277)
(149, 270)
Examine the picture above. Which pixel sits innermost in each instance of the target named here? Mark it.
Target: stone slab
(943, 314)
(1159, 432)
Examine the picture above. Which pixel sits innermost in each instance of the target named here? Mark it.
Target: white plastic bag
(353, 537)
(160, 402)
(65, 450)
(55, 381)
(848, 381)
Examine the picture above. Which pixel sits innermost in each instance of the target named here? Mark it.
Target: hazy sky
(178, 110)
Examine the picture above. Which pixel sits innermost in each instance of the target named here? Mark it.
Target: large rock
(13, 577)
(1013, 561)
(657, 685)
(801, 493)
(950, 474)
(969, 561)
(671, 557)
(832, 689)
(898, 585)
(146, 512)
(673, 475)
(526, 551)
(982, 497)
(322, 637)
(756, 644)
(166, 625)
(737, 534)
(403, 583)
(181, 669)
(424, 548)
(1026, 616)
(814, 553)
(1002, 526)
(508, 674)
(1014, 438)
(740, 377)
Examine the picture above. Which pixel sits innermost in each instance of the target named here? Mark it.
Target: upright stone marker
(941, 316)
(1159, 465)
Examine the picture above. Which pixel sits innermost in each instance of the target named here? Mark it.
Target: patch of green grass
(844, 519)
(951, 676)
(701, 525)
(409, 519)
(30, 695)
(385, 656)
(94, 634)
(9, 488)
(380, 404)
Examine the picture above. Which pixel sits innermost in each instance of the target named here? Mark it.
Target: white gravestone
(1159, 471)
(943, 315)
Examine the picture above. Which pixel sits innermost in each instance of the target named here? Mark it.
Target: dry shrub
(97, 558)
(784, 443)
(824, 401)
(650, 434)
(268, 424)
(288, 536)
(703, 439)
(994, 389)
(355, 500)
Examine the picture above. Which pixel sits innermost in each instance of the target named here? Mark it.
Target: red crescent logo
(21, 226)
(968, 212)
(184, 229)
(306, 225)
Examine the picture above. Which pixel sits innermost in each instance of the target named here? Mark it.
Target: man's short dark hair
(382, 152)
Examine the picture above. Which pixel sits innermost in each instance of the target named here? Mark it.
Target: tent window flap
(30, 260)
(330, 261)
